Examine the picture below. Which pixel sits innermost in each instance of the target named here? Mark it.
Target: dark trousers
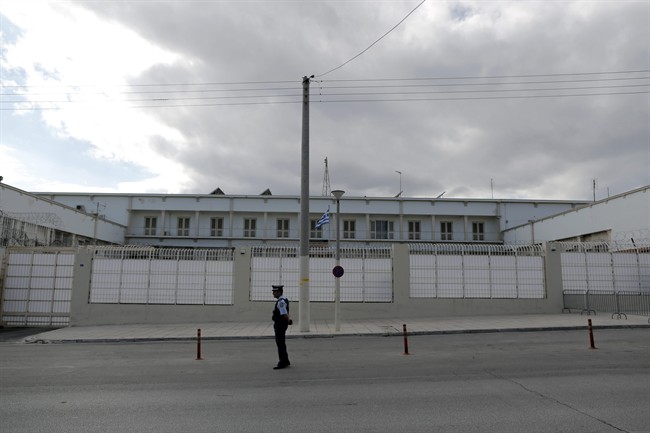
(280, 332)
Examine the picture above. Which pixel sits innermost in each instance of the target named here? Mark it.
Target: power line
(474, 98)
(170, 97)
(486, 84)
(486, 90)
(208, 91)
(298, 84)
(142, 92)
(371, 45)
(421, 92)
(486, 97)
(225, 83)
(158, 105)
(639, 71)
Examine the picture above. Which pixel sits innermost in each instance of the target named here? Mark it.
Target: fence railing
(476, 271)
(368, 273)
(37, 287)
(162, 276)
(619, 304)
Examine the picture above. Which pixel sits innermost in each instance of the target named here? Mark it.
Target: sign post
(338, 270)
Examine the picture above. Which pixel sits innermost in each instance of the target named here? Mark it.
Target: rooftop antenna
(326, 181)
(399, 194)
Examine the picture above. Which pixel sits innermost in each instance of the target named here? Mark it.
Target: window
(315, 233)
(381, 229)
(183, 228)
(282, 228)
(478, 231)
(150, 226)
(349, 229)
(216, 227)
(250, 225)
(446, 231)
(414, 229)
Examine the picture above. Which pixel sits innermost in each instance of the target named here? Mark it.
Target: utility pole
(303, 311)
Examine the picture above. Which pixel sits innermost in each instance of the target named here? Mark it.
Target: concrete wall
(34, 209)
(403, 306)
(617, 218)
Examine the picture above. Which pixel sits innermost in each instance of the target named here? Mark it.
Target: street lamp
(337, 193)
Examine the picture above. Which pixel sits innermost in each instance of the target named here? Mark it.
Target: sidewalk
(322, 329)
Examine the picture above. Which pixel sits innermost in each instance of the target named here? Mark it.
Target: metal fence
(605, 266)
(137, 275)
(476, 271)
(619, 304)
(37, 287)
(368, 273)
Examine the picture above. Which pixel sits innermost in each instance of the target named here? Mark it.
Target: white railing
(162, 276)
(476, 271)
(608, 266)
(37, 287)
(368, 273)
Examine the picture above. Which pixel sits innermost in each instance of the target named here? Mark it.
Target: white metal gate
(137, 275)
(476, 271)
(368, 273)
(38, 287)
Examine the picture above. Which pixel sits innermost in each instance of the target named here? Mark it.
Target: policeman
(281, 321)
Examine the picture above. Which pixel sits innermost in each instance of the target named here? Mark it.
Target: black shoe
(280, 366)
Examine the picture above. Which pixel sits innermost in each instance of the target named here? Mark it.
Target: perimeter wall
(120, 285)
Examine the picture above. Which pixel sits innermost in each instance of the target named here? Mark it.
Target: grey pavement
(325, 328)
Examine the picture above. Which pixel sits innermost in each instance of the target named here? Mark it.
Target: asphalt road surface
(493, 382)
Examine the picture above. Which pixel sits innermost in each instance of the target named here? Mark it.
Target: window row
(379, 229)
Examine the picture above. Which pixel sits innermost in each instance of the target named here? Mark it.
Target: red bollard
(591, 336)
(198, 345)
(406, 342)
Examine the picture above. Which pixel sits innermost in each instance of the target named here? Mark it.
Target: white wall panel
(170, 276)
(34, 280)
(476, 271)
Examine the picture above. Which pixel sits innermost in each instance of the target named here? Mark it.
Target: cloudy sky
(511, 99)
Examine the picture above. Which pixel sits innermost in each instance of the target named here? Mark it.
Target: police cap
(277, 287)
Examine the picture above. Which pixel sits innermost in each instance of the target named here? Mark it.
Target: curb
(33, 340)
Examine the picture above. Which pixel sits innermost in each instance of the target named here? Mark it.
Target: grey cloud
(458, 146)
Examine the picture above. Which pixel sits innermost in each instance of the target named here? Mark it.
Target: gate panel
(129, 275)
(476, 271)
(504, 276)
(38, 287)
(530, 277)
(368, 273)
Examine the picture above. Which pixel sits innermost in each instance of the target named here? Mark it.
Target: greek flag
(325, 219)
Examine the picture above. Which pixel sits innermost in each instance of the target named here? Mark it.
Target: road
(493, 382)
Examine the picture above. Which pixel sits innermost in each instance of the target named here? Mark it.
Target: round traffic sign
(338, 271)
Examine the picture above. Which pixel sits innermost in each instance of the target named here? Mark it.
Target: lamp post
(337, 193)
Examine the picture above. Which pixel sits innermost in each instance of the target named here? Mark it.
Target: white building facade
(623, 217)
(234, 220)
(223, 221)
